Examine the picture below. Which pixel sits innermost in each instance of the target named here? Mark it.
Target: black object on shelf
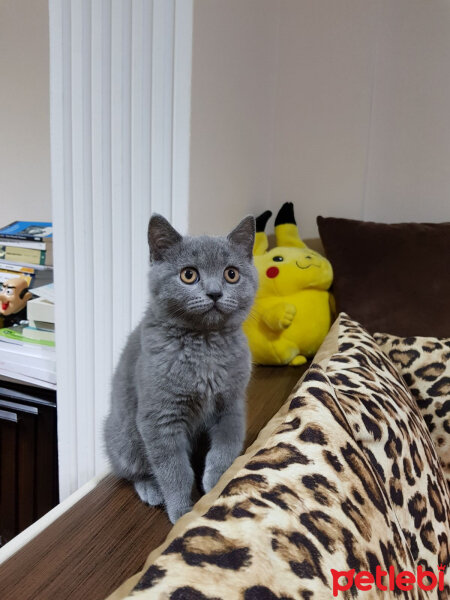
(28, 456)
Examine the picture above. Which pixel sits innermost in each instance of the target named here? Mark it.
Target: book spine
(5, 266)
(35, 257)
(49, 256)
(11, 336)
(30, 238)
(38, 334)
(18, 236)
(23, 244)
(36, 268)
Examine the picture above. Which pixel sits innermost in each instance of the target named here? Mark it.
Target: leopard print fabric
(350, 479)
(424, 364)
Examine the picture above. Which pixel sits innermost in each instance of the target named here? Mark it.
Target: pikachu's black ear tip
(261, 221)
(286, 214)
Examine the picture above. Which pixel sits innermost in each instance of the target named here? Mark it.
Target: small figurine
(14, 295)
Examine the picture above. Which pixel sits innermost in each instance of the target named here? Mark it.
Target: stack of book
(41, 314)
(27, 349)
(26, 359)
(26, 248)
(27, 242)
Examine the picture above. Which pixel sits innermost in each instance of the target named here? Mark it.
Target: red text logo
(387, 580)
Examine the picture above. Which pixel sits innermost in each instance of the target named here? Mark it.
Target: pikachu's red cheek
(272, 272)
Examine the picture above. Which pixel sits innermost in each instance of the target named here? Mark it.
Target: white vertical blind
(182, 61)
(120, 110)
(141, 165)
(101, 216)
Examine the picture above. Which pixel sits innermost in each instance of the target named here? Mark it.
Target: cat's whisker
(179, 312)
(198, 306)
(253, 315)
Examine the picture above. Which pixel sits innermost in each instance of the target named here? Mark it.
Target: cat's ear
(244, 235)
(161, 236)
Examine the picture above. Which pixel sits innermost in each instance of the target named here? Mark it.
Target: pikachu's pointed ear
(261, 242)
(286, 232)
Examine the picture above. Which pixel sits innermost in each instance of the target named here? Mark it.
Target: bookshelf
(28, 412)
(27, 351)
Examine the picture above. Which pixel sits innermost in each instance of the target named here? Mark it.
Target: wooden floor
(106, 537)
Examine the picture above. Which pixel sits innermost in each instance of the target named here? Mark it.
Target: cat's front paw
(149, 492)
(210, 478)
(175, 512)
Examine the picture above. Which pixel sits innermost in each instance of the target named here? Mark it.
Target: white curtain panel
(120, 76)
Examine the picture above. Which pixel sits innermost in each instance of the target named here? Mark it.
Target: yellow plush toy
(292, 311)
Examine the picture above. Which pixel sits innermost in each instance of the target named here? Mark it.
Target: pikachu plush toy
(292, 312)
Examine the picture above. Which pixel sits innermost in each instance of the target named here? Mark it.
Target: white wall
(409, 167)
(322, 119)
(341, 107)
(24, 111)
(233, 96)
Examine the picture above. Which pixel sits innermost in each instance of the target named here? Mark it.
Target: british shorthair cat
(186, 366)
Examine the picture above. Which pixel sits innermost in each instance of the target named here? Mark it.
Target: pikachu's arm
(280, 316)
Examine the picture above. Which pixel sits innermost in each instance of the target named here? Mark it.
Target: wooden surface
(106, 537)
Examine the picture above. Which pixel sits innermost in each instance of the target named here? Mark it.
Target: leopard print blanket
(347, 479)
(424, 364)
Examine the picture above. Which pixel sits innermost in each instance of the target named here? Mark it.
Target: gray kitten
(185, 367)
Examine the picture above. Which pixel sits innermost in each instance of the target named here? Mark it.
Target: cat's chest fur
(198, 368)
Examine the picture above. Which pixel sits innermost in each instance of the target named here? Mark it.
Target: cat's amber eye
(231, 274)
(189, 275)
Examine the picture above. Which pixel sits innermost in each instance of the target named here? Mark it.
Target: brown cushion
(391, 278)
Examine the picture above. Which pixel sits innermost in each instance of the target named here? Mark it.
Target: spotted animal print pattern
(350, 479)
(424, 364)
